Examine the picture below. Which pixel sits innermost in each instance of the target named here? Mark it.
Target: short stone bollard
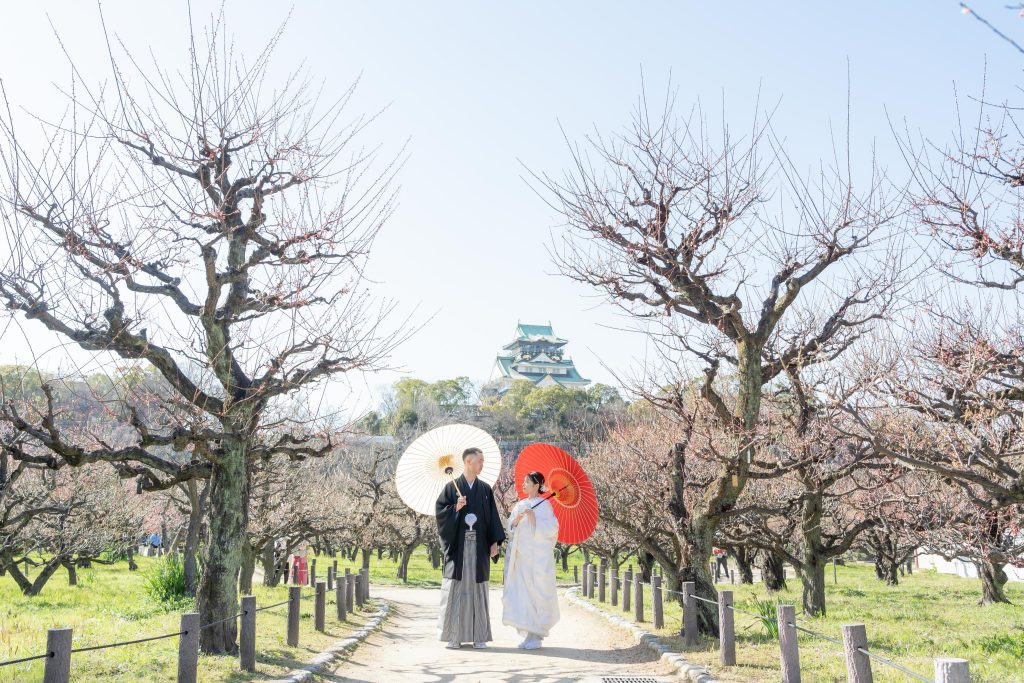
(350, 590)
(615, 586)
(320, 606)
(330, 578)
(294, 607)
(689, 614)
(188, 648)
(586, 580)
(57, 668)
(593, 581)
(575, 573)
(858, 664)
(726, 629)
(657, 602)
(247, 634)
(312, 572)
(788, 649)
(951, 670)
(366, 584)
(602, 580)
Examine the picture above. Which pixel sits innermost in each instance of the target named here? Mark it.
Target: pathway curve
(407, 648)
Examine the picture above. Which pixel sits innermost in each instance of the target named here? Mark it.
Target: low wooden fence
(351, 593)
(598, 584)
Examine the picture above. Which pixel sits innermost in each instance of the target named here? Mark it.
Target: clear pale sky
(478, 87)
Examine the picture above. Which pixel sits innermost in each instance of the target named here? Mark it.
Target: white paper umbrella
(421, 471)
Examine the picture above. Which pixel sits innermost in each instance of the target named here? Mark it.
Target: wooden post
(366, 585)
(350, 591)
(575, 573)
(247, 634)
(615, 586)
(312, 572)
(341, 599)
(188, 648)
(689, 614)
(330, 578)
(726, 629)
(949, 670)
(858, 664)
(627, 588)
(57, 668)
(602, 580)
(320, 606)
(657, 602)
(788, 650)
(294, 596)
(357, 578)
(593, 581)
(638, 602)
(586, 580)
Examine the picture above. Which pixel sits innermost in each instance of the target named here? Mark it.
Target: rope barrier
(817, 635)
(26, 659)
(273, 606)
(214, 623)
(894, 665)
(129, 642)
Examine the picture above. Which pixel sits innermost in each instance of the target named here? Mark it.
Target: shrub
(166, 584)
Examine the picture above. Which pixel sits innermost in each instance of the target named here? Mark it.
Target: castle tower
(537, 355)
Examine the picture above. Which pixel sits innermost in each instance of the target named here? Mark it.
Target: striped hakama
(464, 610)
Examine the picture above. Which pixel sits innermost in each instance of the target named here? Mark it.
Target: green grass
(112, 604)
(928, 615)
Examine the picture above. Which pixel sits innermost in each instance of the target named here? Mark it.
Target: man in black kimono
(469, 528)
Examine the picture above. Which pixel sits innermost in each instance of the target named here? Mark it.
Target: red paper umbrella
(571, 493)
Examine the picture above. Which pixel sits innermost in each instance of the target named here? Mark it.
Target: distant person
(469, 529)
(530, 598)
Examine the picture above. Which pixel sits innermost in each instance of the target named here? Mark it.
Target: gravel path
(407, 648)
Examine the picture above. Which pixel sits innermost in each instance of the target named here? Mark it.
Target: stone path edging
(697, 674)
(338, 650)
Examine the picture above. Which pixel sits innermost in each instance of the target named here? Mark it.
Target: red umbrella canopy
(574, 500)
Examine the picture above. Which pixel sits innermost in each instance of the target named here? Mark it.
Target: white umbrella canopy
(421, 471)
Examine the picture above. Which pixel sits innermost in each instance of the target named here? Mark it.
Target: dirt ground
(407, 648)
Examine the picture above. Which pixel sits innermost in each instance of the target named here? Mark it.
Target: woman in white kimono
(530, 600)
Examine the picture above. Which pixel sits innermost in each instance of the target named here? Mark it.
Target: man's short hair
(471, 452)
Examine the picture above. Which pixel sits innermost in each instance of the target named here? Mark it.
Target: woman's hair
(536, 478)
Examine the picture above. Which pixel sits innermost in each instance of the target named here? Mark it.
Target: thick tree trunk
(367, 553)
(697, 545)
(745, 563)
(132, 566)
(993, 579)
(890, 570)
(33, 587)
(646, 562)
(217, 597)
(247, 569)
(773, 572)
(72, 572)
(812, 577)
(403, 567)
(380, 553)
(197, 509)
(435, 558)
(271, 575)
